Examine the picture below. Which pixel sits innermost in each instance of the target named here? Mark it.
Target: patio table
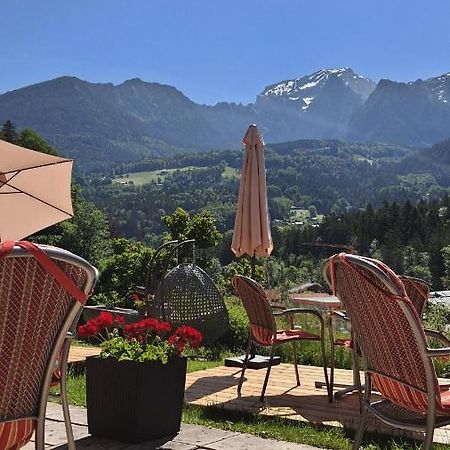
(327, 305)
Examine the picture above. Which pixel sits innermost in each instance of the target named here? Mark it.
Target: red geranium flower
(105, 319)
(119, 320)
(186, 336)
(149, 334)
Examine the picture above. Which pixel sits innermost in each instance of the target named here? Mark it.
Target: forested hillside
(388, 202)
(330, 176)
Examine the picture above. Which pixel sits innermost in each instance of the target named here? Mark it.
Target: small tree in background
(121, 272)
(178, 224)
(9, 132)
(201, 227)
(30, 139)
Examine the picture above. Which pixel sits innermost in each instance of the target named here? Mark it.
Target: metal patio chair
(42, 292)
(398, 362)
(263, 329)
(418, 292)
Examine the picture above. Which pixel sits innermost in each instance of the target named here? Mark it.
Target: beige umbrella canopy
(251, 233)
(34, 191)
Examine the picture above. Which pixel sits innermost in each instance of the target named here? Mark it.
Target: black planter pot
(134, 402)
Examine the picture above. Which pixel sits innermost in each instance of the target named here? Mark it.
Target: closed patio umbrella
(34, 191)
(251, 233)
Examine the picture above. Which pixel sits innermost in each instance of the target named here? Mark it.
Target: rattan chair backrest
(418, 292)
(386, 327)
(35, 313)
(257, 306)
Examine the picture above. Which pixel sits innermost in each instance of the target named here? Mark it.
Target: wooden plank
(78, 355)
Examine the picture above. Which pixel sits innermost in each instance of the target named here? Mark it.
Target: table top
(318, 300)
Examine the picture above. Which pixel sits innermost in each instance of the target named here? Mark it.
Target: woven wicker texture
(384, 333)
(188, 296)
(33, 308)
(418, 292)
(259, 311)
(406, 416)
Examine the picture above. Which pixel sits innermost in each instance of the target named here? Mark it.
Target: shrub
(237, 337)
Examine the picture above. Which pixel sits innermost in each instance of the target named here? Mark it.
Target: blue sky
(226, 50)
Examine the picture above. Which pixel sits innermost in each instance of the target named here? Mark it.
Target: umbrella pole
(253, 266)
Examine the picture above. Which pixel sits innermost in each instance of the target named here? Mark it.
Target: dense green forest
(330, 176)
(391, 203)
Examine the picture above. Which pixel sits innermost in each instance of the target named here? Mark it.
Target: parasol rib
(38, 166)
(19, 191)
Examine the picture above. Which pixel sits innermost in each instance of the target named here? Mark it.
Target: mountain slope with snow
(137, 119)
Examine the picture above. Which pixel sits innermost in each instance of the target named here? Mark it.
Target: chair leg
(364, 413)
(39, 437)
(294, 358)
(272, 349)
(64, 400)
(355, 369)
(429, 431)
(361, 427)
(244, 366)
(428, 441)
(329, 381)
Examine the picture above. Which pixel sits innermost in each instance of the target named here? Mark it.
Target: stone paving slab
(190, 437)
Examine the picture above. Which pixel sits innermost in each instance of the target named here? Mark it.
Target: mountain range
(137, 119)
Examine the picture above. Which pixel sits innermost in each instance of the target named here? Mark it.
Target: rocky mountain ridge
(136, 119)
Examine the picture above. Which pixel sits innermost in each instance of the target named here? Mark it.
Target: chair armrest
(140, 290)
(276, 306)
(292, 311)
(434, 352)
(439, 336)
(341, 315)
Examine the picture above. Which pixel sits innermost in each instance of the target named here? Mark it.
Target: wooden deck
(78, 354)
(217, 387)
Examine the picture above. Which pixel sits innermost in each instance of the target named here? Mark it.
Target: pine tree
(8, 132)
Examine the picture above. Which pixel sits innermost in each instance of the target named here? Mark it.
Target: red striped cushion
(262, 335)
(290, 335)
(14, 435)
(56, 377)
(401, 394)
(344, 343)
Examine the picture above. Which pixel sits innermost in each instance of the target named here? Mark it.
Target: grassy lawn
(303, 215)
(230, 172)
(140, 178)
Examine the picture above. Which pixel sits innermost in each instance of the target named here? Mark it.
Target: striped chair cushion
(14, 435)
(411, 398)
(56, 377)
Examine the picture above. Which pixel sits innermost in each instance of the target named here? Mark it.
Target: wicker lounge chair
(263, 329)
(42, 291)
(397, 360)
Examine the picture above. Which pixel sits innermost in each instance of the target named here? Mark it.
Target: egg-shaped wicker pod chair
(188, 296)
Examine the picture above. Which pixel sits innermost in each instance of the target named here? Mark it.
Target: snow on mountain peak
(440, 87)
(306, 88)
